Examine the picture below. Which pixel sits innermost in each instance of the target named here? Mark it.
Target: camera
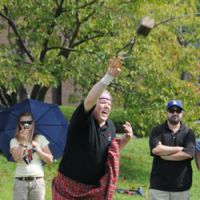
(26, 126)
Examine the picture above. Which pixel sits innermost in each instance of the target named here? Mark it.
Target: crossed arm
(173, 153)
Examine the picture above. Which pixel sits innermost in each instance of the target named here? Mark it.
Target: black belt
(28, 178)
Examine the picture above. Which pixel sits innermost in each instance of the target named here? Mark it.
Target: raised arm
(127, 136)
(114, 69)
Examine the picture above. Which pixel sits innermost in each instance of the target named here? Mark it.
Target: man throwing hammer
(90, 164)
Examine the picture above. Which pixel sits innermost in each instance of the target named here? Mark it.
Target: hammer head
(145, 26)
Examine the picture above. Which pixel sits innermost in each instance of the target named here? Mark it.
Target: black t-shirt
(172, 175)
(86, 149)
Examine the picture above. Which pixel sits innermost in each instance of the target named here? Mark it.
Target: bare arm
(162, 150)
(197, 154)
(112, 72)
(44, 153)
(127, 136)
(175, 153)
(179, 156)
(197, 159)
(17, 153)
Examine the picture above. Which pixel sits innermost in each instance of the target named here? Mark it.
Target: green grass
(135, 166)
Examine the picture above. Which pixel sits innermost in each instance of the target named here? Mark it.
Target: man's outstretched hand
(114, 67)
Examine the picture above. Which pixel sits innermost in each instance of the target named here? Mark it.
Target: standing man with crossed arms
(172, 146)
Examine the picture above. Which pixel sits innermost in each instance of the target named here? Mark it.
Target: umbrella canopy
(49, 121)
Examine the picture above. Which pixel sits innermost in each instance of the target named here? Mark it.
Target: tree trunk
(39, 92)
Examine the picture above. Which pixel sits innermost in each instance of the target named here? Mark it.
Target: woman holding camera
(29, 150)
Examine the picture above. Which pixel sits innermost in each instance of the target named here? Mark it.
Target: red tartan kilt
(64, 188)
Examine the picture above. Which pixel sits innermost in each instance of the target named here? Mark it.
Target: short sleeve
(189, 146)
(42, 141)
(14, 143)
(154, 138)
(80, 115)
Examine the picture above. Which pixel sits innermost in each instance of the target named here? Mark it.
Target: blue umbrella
(49, 121)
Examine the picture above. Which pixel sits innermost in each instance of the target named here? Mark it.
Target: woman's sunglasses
(26, 122)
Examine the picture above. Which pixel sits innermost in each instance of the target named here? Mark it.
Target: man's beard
(174, 119)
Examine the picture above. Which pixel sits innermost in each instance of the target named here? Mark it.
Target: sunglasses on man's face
(173, 110)
(26, 122)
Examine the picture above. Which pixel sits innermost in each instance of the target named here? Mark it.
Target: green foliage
(155, 68)
(152, 74)
(76, 38)
(67, 111)
(118, 118)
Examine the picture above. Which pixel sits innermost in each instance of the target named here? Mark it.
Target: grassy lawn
(135, 166)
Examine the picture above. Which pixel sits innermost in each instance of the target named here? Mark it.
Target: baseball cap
(176, 103)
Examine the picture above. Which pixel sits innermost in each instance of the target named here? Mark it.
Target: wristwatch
(23, 145)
